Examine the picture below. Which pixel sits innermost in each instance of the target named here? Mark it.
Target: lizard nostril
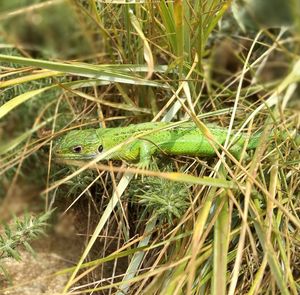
(100, 148)
(77, 149)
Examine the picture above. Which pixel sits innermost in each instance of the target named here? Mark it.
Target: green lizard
(147, 140)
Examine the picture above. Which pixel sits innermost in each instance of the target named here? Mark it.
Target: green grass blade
(101, 72)
(137, 258)
(16, 101)
(220, 246)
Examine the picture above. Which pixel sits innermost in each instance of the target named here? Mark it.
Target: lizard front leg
(147, 149)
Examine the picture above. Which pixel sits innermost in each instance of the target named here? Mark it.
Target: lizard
(148, 139)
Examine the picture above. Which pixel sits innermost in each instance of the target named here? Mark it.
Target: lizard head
(78, 145)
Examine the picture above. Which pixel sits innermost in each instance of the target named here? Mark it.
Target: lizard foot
(144, 165)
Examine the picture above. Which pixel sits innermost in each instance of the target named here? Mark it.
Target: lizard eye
(100, 148)
(77, 149)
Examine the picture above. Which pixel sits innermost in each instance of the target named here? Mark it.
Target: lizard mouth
(59, 155)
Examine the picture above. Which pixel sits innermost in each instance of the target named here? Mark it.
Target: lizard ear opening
(100, 148)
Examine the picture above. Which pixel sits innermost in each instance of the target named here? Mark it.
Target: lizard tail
(286, 135)
(253, 142)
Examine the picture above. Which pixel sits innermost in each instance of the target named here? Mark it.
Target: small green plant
(165, 200)
(20, 233)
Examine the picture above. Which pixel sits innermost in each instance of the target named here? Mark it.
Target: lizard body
(185, 139)
(147, 140)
